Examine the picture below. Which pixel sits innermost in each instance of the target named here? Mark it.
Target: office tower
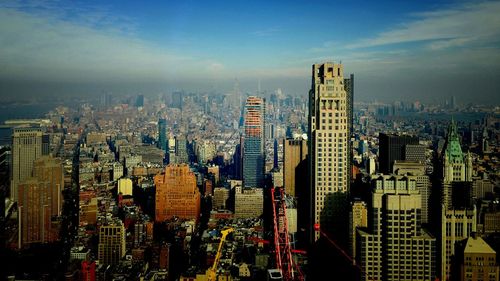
(221, 194)
(238, 160)
(177, 194)
(27, 146)
(205, 151)
(456, 168)
(111, 246)
(417, 169)
(295, 153)
(456, 225)
(349, 89)
(177, 100)
(394, 246)
(254, 143)
(171, 151)
(358, 217)
(117, 171)
(139, 102)
(181, 152)
(391, 148)
(248, 202)
(475, 260)
(275, 154)
(414, 152)
(40, 202)
(328, 150)
(162, 134)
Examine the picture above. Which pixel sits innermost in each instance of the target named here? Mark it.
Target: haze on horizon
(427, 50)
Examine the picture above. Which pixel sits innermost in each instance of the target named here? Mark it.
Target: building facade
(27, 146)
(391, 148)
(40, 202)
(177, 194)
(394, 246)
(456, 225)
(162, 134)
(249, 202)
(295, 153)
(111, 246)
(476, 261)
(254, 142)
(328, 149)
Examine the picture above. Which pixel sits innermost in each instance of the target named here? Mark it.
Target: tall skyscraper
(139, 102)
(328, 149)
(254, 142)
(394, 246)
(349, 88)
(177, 194)
(456, 168)
(181, 151)
(27, 146)
(40, 202)
(391, 148)
(162, 134)
(295, 153)
(458, 218)
(111, 246)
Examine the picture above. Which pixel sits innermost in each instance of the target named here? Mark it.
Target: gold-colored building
(476, 260)
(295, 152)
(111, 243)
(328, 148)
(40, 202)
(177, 194)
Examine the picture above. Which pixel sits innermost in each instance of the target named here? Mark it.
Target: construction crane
(285, 264)
(212, 272)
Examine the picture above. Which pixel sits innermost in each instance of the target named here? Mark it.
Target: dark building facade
(391, 148)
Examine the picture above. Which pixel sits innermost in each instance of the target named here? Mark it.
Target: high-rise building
(162, 134)
(475, 261)
(181, 152)
(456, 225)
(391, 148)
(456, 166)
(177, 194)
(27, 146)
(358, 217)
(40, 202)
(458, 216)
(414, 152)
(349, 88)
(254, 142)
(295, 153)
(139, 102)
(328, 150)
(416, 169)
(249, 202)
(394, 246)
(177, 99)
(111, 246)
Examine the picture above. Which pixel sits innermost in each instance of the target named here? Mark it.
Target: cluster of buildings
(178, 186)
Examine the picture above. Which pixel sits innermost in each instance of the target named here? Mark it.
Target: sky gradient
(426, 50)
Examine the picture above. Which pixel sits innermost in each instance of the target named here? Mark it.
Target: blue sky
(397, 49)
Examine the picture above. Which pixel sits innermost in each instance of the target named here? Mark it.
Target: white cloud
(46, 47)
(467, 23)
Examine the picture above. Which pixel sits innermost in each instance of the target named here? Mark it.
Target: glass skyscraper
(254, 142)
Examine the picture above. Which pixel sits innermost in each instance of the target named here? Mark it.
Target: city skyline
(427, 50)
